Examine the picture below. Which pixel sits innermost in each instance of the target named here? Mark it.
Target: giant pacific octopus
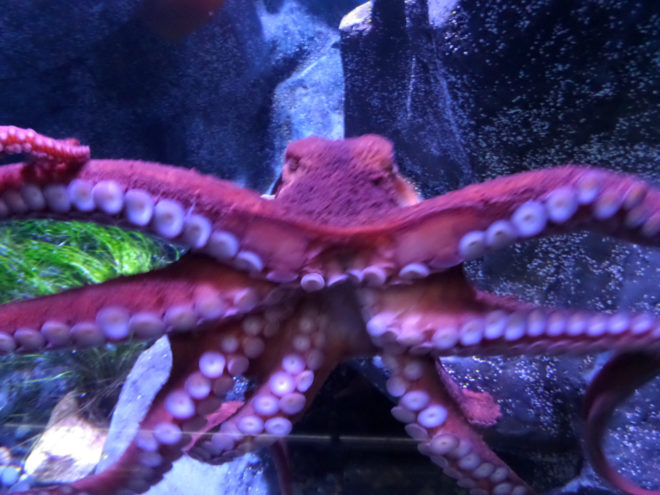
(343, 261)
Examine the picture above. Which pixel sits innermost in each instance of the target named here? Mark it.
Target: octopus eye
(293, 164)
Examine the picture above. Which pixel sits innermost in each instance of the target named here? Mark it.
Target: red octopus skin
(344, 261)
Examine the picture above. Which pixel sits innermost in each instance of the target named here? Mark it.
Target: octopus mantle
(343, 261)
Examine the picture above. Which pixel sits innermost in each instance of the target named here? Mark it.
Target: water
(467, 90)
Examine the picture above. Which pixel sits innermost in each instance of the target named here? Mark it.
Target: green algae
(40, 257)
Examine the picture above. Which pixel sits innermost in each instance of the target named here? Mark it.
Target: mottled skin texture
(364, 181)
(348, 256)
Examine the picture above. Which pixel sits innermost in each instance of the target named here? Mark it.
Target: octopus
(344, 260)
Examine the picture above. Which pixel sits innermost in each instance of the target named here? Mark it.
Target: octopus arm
(191, 294)
(444, 427)
(195, 413)
(465, 224)
(612, 385)
(413, 242)
(232, 225)
(163, 433)
(269, 239)
(439, 415)
(445, 315)
(282, 349)
(288, 361)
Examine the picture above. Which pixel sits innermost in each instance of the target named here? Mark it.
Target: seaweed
(40, 257)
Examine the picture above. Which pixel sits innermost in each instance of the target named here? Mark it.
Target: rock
(188, 476)
(211, 101)
(147, 377)
(38, 36)
(396, 86)
(523, 85)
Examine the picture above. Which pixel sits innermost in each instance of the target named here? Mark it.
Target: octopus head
(361, 174)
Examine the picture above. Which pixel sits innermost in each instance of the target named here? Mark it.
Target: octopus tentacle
(465, 224)
(194, 400)
(443, 431)
(15, 140)
(215, 217)
(162, 436)
(287, 375)
(231, 224)
(188, 295)
(444, 315)
(438, 414)
(614, 382)
(479, 408)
